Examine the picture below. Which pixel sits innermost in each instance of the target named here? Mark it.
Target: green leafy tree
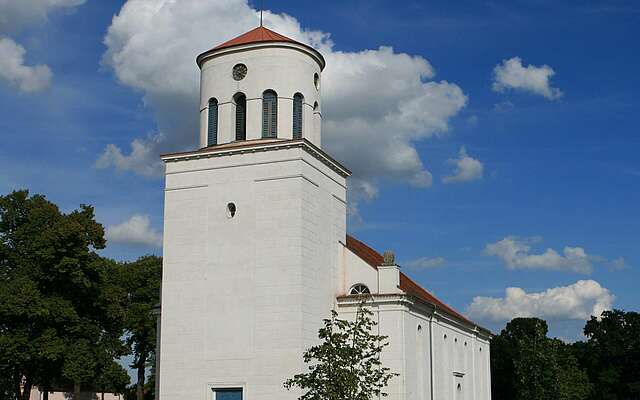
(346, 364)
(142, 280)
(527, 365)
(571, 379)
(112, 379)
(57, 298)
(611, 355)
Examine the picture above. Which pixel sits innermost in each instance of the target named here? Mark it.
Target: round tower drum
(261, 86)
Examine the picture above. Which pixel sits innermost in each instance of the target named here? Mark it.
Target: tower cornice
(260, 145)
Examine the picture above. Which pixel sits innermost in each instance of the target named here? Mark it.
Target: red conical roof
(259, 34)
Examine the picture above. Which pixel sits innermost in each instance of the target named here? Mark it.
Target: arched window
(241, 116)
(269, 114)
(359, 289)
(212, 125)
(298, 100)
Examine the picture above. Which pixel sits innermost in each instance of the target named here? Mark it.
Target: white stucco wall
(354, 270)
(429, 365)
(286, 68)
(244, 296)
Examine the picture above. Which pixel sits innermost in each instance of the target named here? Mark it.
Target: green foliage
(141, 280)
(80, 363)
(58, 300)
(112, 379)
(346, 365)
(527, 365)
(611, 355)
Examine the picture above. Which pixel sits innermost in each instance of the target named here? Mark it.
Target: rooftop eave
(216, 52)
(411, 300)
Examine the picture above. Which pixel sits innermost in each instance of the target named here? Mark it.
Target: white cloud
(376, 102)
(617, 264)
(467, 168)
(17, 14)
(15, 72)
(503, 107)
(515, 253)
(574, 302)
(136, 230)
(511, 74)
(140, 160)
(425, 263)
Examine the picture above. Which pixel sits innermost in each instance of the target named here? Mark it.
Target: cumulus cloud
(425, 263)
(139, 160)
(378, 97)
(574, 302)
(135, 231)
(17, 14)
(14, 70)
(516, 254)
(511, 74)
(467, 168)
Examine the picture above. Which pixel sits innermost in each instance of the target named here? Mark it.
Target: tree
(527, 365)
(112, 379)
(570, 379)
(346, 364)
(142, 280)
(611, 355)
(57, 298)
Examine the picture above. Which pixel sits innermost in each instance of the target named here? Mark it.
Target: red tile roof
(259, 34)
(375, 259)
(412, 288)
(369, 255)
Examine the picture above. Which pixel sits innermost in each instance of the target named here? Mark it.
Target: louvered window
(269, 114)
(298, 100)
(212, 133)
(241, 116)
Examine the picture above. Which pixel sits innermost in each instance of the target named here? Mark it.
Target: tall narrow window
(241, 116)
(212, 133)
(269, 114)
(298, 100)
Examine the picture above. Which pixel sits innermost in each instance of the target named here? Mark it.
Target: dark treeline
(66, 313)
(527, 365)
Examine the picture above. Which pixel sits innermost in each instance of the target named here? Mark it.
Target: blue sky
(544, 170)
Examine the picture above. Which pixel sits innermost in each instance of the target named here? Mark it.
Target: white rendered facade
(256, 253)
(433, 348)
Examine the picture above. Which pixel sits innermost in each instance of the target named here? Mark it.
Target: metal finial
(261, 8)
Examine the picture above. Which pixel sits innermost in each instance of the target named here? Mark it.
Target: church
(256, 250)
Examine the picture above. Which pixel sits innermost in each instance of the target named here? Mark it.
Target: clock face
(239, 72)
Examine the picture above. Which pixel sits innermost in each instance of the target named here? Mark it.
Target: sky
(501, 165)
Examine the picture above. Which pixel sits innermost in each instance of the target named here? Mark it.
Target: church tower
(253, 225)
